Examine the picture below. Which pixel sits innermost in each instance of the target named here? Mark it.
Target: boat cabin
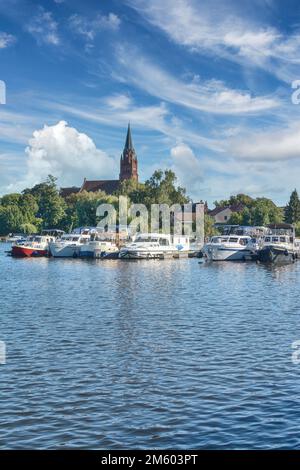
(242, 240)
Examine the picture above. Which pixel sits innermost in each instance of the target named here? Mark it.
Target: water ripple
(107, 355)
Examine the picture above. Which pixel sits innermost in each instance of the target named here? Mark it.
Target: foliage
(259, 211)
(28, 228)
(297, 229)
(82, 207)
(292, 210)
(51, 206)
(159, 189)
(11, 219)
(243, 199)
(209, 228)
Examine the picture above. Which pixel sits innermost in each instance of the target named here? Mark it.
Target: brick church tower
(128, 163)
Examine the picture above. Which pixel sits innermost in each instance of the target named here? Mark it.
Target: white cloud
(276, 144)
(89, 28)
(6, 40)
(64, 152)
(44, 28)
(188, 168)
(210, 96)
(119, 101)
(217, 29)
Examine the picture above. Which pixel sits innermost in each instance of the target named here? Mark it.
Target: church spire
(128, 143)
(128, 162)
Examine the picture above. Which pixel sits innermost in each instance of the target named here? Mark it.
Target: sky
(206, 86)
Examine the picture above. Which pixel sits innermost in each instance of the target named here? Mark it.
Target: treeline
(262, 211)
(42, 207)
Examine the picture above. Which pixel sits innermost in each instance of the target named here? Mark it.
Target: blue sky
(206, 86)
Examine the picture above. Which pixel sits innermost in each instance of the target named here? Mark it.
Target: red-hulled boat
(36, 245)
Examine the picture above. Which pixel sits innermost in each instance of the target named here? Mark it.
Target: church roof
(65, 192)
(108, 186)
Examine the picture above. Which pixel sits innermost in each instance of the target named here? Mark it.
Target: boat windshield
(70, 238)
(146, 240)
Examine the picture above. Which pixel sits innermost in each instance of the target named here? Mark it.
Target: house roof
(108, 186)
(234, 208)
(217, 210)
(65, 192)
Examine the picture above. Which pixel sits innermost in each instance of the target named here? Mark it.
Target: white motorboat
(69, 245)
(229, 248)
(154, 246)
(99, 249)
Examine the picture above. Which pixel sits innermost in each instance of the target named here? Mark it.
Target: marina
(274, 244)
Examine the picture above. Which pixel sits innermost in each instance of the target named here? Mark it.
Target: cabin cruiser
(154, 246)
(69, 245)
(279, 245)
(97, 248)
(34, 245)
(229, 248)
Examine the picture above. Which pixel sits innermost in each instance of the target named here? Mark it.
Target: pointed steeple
(128, 162)
(128, 143)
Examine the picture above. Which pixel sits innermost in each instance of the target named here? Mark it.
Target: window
(163, 242)
(225, 217)
(282, 239)
(233, 240)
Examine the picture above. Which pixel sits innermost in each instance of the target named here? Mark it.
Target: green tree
(236, 218)
(161, 189)
(209, 226)
(51, 206)
(82, 207)
(11, 219)
(292, 210)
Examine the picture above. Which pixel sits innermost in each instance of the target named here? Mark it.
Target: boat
(279, 246)
(15, 238)
(229, 248)
(154, 246)
(99, 248)
(34, 245)
(69, 245)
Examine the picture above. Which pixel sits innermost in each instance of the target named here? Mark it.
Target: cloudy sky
(206, 85)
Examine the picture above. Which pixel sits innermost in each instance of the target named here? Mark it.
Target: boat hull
(227, 254)
(136, 254)
(67, 251)
(22, 251)
(273, 255)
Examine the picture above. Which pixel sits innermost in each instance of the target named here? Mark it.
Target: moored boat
(35, 245)
(69, 245)
(155, 246)
(279, 246)
(98, 249)
(229, 248)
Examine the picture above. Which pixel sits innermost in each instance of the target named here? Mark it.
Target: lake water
(154, 354)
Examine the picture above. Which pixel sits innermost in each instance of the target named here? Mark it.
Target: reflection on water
(154, 354)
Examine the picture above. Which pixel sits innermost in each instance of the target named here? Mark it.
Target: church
(128, 170)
